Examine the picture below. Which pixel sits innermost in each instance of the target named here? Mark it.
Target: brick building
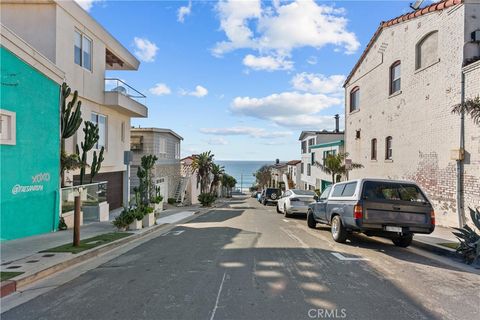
(399, 98)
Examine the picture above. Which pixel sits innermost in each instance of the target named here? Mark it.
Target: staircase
(180, 190)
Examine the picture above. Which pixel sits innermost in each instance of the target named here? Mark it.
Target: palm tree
(263, 176)
(334, 164)
(471, 107)
(217, 173)
(202, 164)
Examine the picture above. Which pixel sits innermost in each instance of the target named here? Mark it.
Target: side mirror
(316, 198)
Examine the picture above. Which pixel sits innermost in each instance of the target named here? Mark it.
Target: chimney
(337, 120)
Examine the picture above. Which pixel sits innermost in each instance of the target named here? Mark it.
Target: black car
(270, 195)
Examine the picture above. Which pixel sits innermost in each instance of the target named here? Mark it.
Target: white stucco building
(399, 97)
(70, 38)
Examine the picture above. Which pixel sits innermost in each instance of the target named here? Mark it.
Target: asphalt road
(248, 262)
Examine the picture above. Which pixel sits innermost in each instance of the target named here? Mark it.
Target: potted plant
(124, 219)
(157, 201)
(148, 217)
(136, 224)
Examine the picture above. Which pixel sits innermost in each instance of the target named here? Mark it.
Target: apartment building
(399, 99)
(79, 46)
(293, 174)
(165, 145)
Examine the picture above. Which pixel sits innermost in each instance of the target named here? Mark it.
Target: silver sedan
(295, 201)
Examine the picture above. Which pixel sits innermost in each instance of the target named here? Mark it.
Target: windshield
(303, 192)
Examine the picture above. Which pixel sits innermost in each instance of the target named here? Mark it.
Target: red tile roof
(437, 6)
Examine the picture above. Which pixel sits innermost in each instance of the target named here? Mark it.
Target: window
(8, 134)
(177, 150)
(311, 142)
(354, 99)
(302, 168)
(122, 131)
(349, 189)
(313, 157)
(426, 50)
(309, 169)
(325, 193)
(327, 153)
(357, 134)
(388, 148)
(338, 190)
(82, 49)
(304, 146)
(395, 77)
(373, 149)
(101, 122)
(373, 190)
(160, 147)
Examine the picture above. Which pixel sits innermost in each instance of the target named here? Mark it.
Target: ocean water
(243, 171)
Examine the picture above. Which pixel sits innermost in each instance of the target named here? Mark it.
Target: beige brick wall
(419, 119)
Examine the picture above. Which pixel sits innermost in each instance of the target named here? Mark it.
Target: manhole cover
(48, 255)
(13, 267)
(32, 261)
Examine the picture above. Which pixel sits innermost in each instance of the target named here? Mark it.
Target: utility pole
(241, 183)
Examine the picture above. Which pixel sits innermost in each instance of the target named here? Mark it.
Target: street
(245, 261)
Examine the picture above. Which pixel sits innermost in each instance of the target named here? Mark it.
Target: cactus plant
(96, 163)
(70, 121)
(469, 246)
(90, 139)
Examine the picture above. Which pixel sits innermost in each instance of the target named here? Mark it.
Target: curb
(7, 287)
(437, 249)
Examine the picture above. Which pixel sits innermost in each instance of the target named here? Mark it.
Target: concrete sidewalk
(432, 242)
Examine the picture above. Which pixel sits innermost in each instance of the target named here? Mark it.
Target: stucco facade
(165, 145)
(29, 140)
(51, 27)
(415, 122)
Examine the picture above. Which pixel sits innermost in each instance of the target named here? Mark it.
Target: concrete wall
(419, 117)
(29, 168)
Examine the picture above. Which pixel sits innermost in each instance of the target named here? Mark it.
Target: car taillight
(294, 199)
(432, 217)
(357, 212)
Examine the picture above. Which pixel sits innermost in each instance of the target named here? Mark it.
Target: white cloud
(318, 83)
(86, 4)
(277, 29)
(246, 131)
(219, 141)
(184, 11)
(160, 89)
(199, 92)
(145, 50)
(288, 109)
(312, 60)
(269, 63)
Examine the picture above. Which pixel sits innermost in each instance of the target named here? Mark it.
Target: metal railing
(91, 195)
(120, 86)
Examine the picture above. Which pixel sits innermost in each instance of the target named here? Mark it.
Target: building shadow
(218, 215)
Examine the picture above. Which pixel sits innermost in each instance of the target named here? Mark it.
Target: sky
(242, 78)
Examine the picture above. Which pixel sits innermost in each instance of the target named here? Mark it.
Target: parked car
(271, 195)
(260, 196)
(385, 208)
(295, 201)
(255, 194)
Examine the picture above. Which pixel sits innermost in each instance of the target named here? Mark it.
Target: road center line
(218, 296)
(341, 257)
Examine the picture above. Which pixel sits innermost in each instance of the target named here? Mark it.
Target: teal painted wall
(34, 160)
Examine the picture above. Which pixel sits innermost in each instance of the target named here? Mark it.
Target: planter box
(99, 212)
(158, 207)
(135, 225)
(148, 220)
(68, 217)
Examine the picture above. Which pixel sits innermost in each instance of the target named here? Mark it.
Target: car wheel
(285, 211)
(339, 233)
(311, 220)
(403, 241)
(278, 209)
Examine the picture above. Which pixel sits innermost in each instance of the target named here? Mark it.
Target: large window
(373, 149)
(7, 127)
(388, 148)
(309, 169)
(304, 147)
(82, 50)
(354, 99)
(101, 121)
(395, 77)
(373, 190)
(427, 50)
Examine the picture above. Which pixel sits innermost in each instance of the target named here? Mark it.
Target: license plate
(393, 229)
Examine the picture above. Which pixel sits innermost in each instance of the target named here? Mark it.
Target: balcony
(124, 98)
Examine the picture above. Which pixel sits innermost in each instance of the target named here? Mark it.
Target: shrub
(206, 199)
(157, 199)
(469, 246)
(127, 216)
(172, 200)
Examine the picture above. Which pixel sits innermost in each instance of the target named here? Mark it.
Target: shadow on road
(218, 215)
(187, 275)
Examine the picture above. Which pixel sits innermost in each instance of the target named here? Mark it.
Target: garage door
(114, 187)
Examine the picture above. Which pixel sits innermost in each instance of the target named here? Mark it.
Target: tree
(217, 173)
(470, 107)
(202, 164)
(334, 164)
(228, 182)
(263, 176)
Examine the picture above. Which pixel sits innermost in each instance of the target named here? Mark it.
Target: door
(320, 211)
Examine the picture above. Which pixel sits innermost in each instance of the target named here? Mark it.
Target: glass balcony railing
(91, 195)
(120, 86)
